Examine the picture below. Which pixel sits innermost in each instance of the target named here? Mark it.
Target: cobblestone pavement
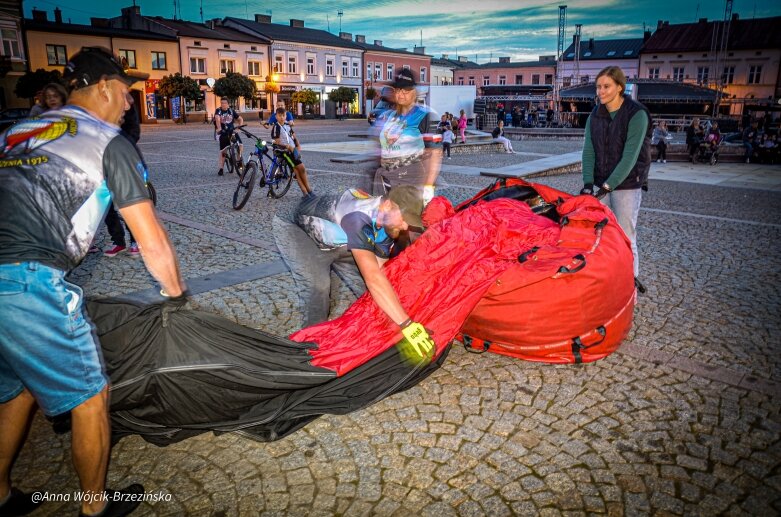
(683, 419)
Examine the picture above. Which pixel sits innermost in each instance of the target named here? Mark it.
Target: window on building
(279, 62)
(378, 72)
(292, 63)
(345, 67)
(678, 74)
(653, 72)
(391, 69)
(369, 68)
(198, 104)
(128, 57)
(227, 65)
(423, 74)
(702, 74)
(158, 60)
(253, 68)
(611, 53)
(519, 79)
(329, 65)
(256, 103)
(198, 43)
(754, 74)
(471, 80)
(460, 81)
(502, 79)
(486, 80)
(548, 78)
(587, 54)
(627, 52)
(535, 78)
(311, 64)
(571, 54)
(11, 43)
(56, 54)
(567, 81)
(729, 75)
(355, 69)
(197, 65)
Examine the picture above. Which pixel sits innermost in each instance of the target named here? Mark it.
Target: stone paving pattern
(485, 434)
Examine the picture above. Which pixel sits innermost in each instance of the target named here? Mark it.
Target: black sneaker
(219, 172)
(18, 503)
(120, 502)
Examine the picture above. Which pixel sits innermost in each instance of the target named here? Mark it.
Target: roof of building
(203, 30)
(453, 63)
(649, 91)
(89, 30)
(593, 49)
(758, 33)
(371, 47)
(517, 64)
(280, 32)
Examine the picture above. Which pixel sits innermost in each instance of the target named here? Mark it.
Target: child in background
(447, 140)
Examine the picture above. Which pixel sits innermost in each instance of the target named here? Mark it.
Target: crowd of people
(760, 145)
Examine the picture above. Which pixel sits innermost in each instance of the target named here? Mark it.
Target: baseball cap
(410, 201)
(91, 64)
(404, 79)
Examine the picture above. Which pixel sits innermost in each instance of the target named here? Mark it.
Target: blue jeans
(46, 343)
(625, 204)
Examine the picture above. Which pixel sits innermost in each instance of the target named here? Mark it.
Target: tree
(371, 93)
(304, 97)
(33, 82)
(233, 86)
(177, 85)
(342, 94)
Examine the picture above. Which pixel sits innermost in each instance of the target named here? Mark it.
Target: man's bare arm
(379, 286)
(156, 249)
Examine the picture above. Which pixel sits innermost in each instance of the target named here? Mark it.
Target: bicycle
(233, 158)
(278, 175)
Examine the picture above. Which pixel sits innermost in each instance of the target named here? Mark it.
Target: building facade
(746, 72)
(594, 55)
(303, 58)
(381, 64)
(13, 59)
(508, 73)
(51, 44)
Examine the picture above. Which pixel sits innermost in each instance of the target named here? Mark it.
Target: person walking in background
(447, 140)
(617, 153)
(660, 137)
(750, 134)
(498, 136)
(462, 126)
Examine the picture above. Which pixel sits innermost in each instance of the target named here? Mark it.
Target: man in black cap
(58, 174)
(366, 227)
(410, 154)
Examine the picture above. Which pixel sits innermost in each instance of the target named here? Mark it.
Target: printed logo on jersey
(28, 135)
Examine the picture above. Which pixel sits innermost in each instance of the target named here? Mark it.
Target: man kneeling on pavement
(366, 227)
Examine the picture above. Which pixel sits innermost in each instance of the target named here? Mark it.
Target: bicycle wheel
(281, 178)
(152, 192)
(230, 159)
(245, 186)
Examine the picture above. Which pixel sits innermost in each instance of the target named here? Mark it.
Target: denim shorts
(46, 343)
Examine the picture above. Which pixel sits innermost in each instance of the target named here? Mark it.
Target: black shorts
(225, 140)
(294, 157)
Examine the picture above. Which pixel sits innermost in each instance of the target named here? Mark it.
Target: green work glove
(417, 338)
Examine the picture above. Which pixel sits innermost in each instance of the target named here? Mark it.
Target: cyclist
(283, 136)
(225, 118)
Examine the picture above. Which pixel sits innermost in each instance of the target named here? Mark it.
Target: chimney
(419, 50)
(444, 56)
(703, 20)
(463, 59)
(57, 15)
(591, 44)
(39, 16)
(134, 10)
(360, 38)
(298, 23)
(214, 22)
(345, 35)
(100, 22)
(646, 36)
(262, 18)
(504, 59)
(735, 17)
(378, 42)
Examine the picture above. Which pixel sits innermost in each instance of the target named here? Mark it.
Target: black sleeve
(275, 131)
(354, 225)
(124, 172)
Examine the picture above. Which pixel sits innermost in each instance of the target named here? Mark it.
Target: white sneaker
(658, 161)
(664, 161)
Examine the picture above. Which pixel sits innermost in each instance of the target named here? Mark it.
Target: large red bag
(569, 302)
